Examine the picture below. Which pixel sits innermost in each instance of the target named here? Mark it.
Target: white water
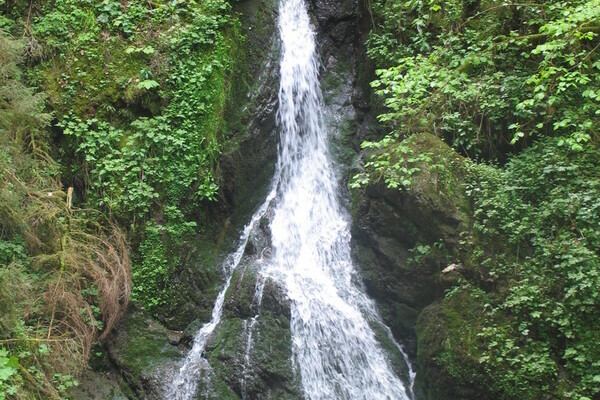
(334, 345)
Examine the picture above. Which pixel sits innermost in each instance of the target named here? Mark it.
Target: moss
(96, 81)
(396, 360)
(258, 26)
(449, 349)
(226, 347)
(140, 347)
(194, 278)
(240, 295)
(249, 151)
(442, 179)
(224, 350)
(403, 320)
(273, 347)
(271, 373)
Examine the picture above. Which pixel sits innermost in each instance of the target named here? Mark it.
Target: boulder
(251, 349)
(390, 223)
(448, 355)
(140, 350)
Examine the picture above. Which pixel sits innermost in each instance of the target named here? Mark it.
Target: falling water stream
(334, 345)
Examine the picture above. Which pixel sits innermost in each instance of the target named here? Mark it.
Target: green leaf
(147, 84)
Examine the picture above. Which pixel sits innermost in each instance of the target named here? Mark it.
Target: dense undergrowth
(64, 277)
(535, 234)
(516, 87)
(117, 144)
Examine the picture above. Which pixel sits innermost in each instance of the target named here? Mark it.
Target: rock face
(446, 363)
(422, 223)
(249, 156)
(407, 246)
(251, 350)
(141, 352)
(246, 165)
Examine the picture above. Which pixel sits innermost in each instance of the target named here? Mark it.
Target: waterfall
(336, 349)
(334, 345)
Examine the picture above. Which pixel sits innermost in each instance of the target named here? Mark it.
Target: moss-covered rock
(403, 239)
(97, 385)
(448, 355)
(140, 350)
(250, 151)
(251, 350)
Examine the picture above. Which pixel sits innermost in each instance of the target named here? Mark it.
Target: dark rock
(239, 298)
(140, 351)
(248, 160)
(275, 300)
(448, 362)
(96, 385)
(387, 223)
(251, 349)
(330, 13)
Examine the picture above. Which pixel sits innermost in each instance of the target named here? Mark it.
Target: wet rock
(251, 349)
(239, 298)
(249, 155)
(275, 299)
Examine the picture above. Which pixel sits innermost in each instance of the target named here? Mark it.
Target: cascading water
(335, 347)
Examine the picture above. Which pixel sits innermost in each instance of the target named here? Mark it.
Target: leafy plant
(51, 253)
(152, 274)
(535, 230)
(486, 74)
(8, 371)
(393, 162)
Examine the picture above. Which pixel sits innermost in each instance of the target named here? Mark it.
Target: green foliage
(420, 253)
(152, 275)
(60, 268)
(139, 92)
(485, 74)
(8, 372)
(391, 162)
(536, 232)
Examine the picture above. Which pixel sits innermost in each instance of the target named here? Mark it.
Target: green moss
(449, 348)
(240, 295)
(96, 79)
(140, 347)
(227, 346)
(270, 371)
(392, 353)
(273, 347)
(441, 180)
